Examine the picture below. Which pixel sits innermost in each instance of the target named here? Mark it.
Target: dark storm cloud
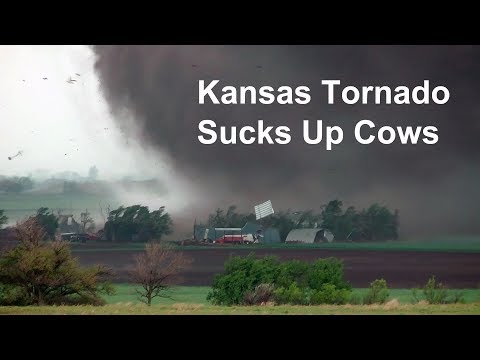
(433, 186)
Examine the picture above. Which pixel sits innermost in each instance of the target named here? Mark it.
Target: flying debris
(77, 74)
(14, 156)
(193, 65)
(70, 80)
(259, 67)
(45, 78)
(23, 80)
(263, 210)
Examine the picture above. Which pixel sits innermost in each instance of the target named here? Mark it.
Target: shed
(268, 235)
(309, 236)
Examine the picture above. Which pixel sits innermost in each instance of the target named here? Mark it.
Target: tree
(3, 218)
(125, 223)
(48, 220)
(155, 270)
(307, 219)
(15, 184)
(283, 221)
(85, 219)
(345, 226)
(217, 219)
(37, 272)
(330, 214)
(230, 218)
(378, 223)
(26, 183)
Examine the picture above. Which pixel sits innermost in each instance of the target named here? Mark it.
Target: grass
(192, 300)
(404, 296)
(201, 309)
(19, 202)
(125, 293)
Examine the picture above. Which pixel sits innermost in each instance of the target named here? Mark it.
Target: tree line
(374, 223)
(15, 184)
(139, 223)
(125, 224)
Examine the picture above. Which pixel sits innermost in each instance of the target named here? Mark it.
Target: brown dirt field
(401, 269)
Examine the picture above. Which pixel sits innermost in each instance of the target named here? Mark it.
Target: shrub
(457, 297)
(36, 272)
(12, 295)
(329, 294)
(295, 281)
(377, 293)
(241, 276)
(292, 271)
(416, 296)
(355, 299)
(327, 271)
(435, 292)
(262, 294)
(292, 295)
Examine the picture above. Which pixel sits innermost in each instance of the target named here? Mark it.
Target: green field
(20, 206)
(53, 201)
(125, 293)
(192, 300)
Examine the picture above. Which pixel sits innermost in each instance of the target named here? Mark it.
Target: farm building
(267, 235)
(309, 236)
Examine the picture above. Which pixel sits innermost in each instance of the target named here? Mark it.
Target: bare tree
(155, 269)
(30, 232)
(85, 219)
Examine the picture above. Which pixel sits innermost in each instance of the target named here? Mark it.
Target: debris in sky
(70, 80)
(259, 67)
(45, 78)
(14, 156)
(77, 74)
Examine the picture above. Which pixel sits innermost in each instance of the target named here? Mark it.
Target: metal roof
(303, 235)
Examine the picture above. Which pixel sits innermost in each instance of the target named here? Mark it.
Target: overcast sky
(66, 127)
(60, 126)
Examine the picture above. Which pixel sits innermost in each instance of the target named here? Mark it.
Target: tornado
(434, 187)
